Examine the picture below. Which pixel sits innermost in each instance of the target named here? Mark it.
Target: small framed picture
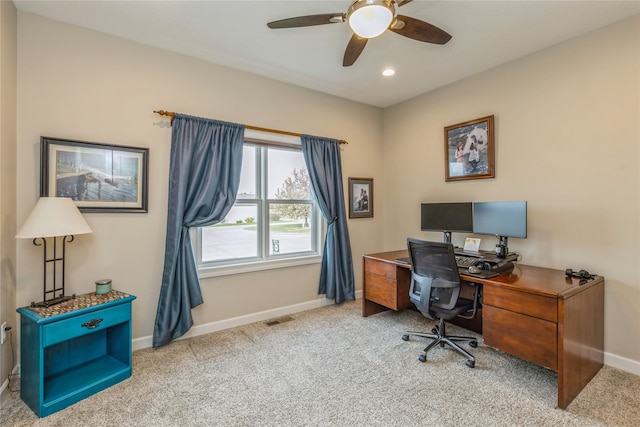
(469, 150)
(360, 198)
(98, 177)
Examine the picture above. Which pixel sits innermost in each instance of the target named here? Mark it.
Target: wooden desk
(537, 314)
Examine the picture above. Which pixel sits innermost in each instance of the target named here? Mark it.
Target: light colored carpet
(332, 367)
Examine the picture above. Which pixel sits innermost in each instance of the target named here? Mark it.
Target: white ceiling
(234, 34)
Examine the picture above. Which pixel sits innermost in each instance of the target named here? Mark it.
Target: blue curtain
(204, 175)
(322, 156)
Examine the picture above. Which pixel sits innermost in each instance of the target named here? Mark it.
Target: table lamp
(53, 217)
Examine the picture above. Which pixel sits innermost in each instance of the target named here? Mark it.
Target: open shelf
(80, 379)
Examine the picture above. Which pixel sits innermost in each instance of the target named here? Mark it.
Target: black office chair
(435, 289)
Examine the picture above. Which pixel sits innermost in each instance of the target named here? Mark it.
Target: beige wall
(84, 85)
(567, 135)
(8, 64)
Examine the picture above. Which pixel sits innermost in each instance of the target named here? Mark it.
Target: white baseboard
(147, 342)
(622, 363)
(5, 384)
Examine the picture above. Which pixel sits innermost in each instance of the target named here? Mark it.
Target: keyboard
(463, 261)
(473, 254)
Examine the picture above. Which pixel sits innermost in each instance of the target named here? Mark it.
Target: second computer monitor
(447, 217)
(501, 219)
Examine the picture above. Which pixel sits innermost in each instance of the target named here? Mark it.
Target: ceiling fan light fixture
(370, 18)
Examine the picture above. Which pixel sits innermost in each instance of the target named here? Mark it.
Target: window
(274, 222)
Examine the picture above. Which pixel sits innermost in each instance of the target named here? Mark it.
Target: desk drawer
(521, 302)
(382, 287)
(68, 329)
(527, 337)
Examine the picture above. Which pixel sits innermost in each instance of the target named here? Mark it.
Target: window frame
(266, 260)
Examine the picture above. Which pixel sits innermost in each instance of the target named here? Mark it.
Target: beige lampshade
(53, 216)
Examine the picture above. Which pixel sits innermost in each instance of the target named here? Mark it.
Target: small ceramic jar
(103, 286)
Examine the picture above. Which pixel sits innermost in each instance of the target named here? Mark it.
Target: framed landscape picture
(98, 177)
(360, 198)
(469, 150)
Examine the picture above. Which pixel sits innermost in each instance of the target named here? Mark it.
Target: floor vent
(279, 320)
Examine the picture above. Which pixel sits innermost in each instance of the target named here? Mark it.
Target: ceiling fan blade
(403, 2)
(419, 30)
(307, 21)
(354, 49)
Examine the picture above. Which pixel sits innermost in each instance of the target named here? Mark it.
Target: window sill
(248, 267)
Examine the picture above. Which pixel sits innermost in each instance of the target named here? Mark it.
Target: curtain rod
(172, 115)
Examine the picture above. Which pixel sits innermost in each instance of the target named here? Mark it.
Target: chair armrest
(476, 298)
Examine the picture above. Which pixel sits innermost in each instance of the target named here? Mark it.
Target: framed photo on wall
(98, 177)
(360, 198)
(469, 150)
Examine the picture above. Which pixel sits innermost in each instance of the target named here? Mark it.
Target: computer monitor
(501, 219)
(447, 217)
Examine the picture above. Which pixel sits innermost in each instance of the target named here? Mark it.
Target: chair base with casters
(439, 336)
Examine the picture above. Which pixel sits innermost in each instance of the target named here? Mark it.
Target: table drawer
(527, 337)
(74, 327)
(521, 302)
(381, 284)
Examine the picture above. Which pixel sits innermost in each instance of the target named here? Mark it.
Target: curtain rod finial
(170, 114)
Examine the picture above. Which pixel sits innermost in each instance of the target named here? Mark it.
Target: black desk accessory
(582, 274)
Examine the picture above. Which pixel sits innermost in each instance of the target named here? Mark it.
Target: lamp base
(53, 301)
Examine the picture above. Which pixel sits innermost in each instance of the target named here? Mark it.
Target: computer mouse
(474, 269)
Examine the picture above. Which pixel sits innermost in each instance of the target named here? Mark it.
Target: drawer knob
(92, 324)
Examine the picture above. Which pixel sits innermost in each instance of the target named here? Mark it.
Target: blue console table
(74, 349)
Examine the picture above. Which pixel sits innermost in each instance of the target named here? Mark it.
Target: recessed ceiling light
(388, 72)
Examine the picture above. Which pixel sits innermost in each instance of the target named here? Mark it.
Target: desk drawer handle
(92, 324)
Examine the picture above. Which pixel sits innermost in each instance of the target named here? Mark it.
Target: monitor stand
(502, 249)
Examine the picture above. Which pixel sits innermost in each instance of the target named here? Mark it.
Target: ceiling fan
(369, 19)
